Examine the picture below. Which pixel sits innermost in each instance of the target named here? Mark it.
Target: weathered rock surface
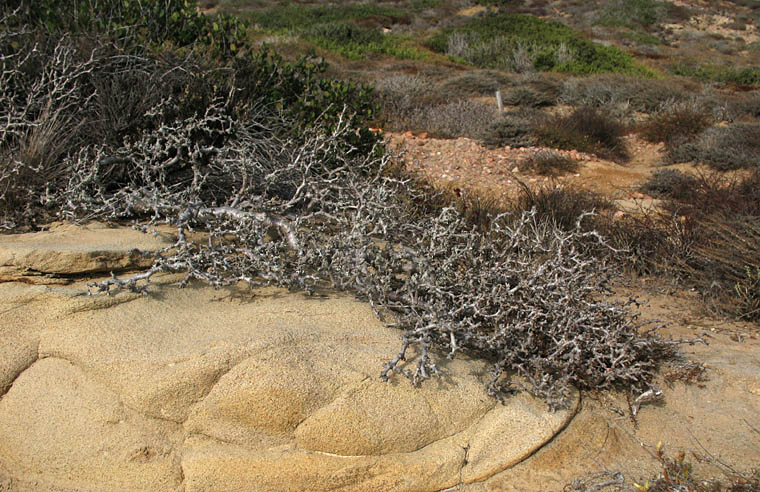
(67, 249)
(202, 389)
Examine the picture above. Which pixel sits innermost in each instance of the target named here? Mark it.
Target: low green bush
(140, 24)
(355, 43)
(513, 129)
(295, 16)
(632, 13)
(743, 76)
(510, 41)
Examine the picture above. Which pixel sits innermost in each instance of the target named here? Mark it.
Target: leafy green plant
(418, 5)
(138, 23)
(631, 13)
(744, 76)
(494, 40)
(354, 42)
(295, 17)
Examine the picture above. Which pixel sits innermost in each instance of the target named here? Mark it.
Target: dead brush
(706, 237)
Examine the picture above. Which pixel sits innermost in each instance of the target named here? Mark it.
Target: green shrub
(355, 43)
(507, 41)
(513, 129)
(296, 17)
(138, 23)
(585, 129)
(631, 13)
(418, 5)
(744, 76)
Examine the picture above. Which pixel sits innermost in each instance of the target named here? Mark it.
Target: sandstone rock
(68, 249)
(207, 389)
(60, 427)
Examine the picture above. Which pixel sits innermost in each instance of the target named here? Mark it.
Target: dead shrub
(707, 238)
(564, 206)
(527, 96)
(613, 89)
(474, 83)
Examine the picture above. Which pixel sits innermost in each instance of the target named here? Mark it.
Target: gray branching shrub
(309, 215)
(608, 90)
(320, 208)
(462, 118)
(60, 95)
(735, 146)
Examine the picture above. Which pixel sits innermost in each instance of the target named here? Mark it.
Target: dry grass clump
(528, 97)
(670, 183)
(734, 146)
(401, 97)
(707, 237)
(745, 107)
(563, 206)
(676, 475)
(586, 129)
(474, 83)
(550, 163)
(676, 125)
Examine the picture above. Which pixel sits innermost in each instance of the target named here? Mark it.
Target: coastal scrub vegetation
(277, 164)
